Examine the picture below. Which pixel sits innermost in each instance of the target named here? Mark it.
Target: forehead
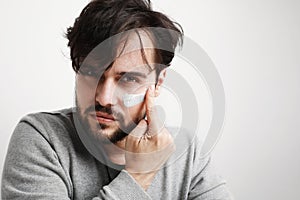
(135, 50)
(135, 60)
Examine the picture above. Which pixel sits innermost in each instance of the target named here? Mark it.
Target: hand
(148, 146)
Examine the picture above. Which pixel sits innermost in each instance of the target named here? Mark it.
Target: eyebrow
(138, 74)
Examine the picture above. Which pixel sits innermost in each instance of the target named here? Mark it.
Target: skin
(147, 144)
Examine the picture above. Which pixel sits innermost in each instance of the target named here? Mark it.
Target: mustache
(99, 108)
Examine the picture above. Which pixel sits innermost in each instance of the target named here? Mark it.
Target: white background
(255, 45)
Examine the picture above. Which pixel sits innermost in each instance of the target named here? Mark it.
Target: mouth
(103, 118)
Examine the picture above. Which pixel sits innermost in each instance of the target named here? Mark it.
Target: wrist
(143, 179)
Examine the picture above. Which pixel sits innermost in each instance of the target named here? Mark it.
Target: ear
(160, 80)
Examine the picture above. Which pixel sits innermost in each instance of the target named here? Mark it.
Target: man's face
(100, 99)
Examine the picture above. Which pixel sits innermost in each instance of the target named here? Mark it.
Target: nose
(105, 93)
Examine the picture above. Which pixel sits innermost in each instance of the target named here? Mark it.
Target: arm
(123, 187)
(33, 170)
(149, 145)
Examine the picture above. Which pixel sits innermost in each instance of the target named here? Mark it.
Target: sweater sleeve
(123, 187)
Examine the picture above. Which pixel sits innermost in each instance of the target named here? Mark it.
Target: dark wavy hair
(101, 19)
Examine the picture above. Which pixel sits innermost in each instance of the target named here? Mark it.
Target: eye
(129, 79)
(88, 71)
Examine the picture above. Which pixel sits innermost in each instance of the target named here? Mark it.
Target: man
(113, 144)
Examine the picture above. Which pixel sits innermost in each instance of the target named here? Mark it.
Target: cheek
(135, 113)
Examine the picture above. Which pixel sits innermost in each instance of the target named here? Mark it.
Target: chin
(109, 135)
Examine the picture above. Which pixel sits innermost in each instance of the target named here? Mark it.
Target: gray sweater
(47, 160)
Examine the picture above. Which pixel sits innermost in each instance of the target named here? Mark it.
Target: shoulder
(55, 129)
(47, 134)
(48, 120)
(49, 124)
(188, 154)
(193, 167)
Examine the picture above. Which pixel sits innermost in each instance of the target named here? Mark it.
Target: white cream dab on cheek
(130, 100)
